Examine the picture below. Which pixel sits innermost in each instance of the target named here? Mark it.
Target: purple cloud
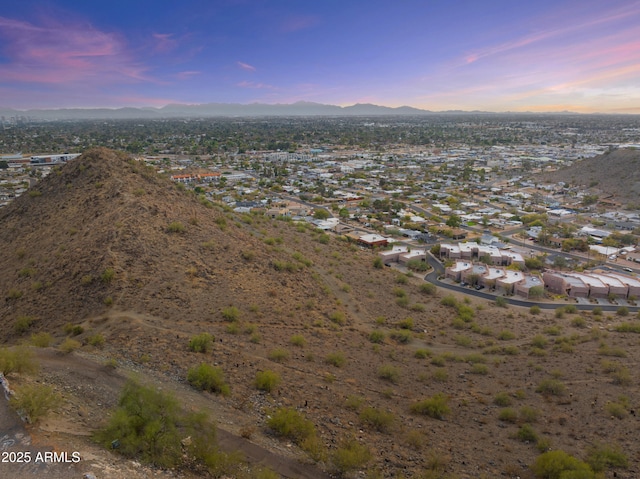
(246, 66)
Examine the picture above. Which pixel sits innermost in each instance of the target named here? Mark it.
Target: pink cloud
(246, 66)
(187, 74)
(56, 53)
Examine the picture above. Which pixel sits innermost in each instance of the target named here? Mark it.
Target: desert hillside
(615, 174)
(431, 385)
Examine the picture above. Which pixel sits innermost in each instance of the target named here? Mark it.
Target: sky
(490, 55)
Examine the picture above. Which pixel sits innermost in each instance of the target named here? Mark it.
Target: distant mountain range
(300, 108)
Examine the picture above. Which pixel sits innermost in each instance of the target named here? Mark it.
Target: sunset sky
(492, 55)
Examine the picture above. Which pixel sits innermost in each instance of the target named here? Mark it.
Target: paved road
(438, 270)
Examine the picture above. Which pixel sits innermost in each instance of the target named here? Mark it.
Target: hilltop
(105, 246)
(615, 173)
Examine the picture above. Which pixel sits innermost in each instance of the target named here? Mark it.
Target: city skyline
(491, 56)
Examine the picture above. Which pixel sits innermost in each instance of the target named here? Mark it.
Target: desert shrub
(267, 380)
(349, 456)
(464, 341)
(422, 353)
(298, 340)
(23, 323)
(402, 336)
(376, 337)
(440, 375)
(41, 340)
(377, 418)
(149, 425)
(560, 465)
(17, 360)
(621, 376)
(604, 456)
(389, 373)
(377, 262)
(615, 409)
(69, 345)
(539, 341)
(526, 434)
(628, 328)
(231, 313)
(35, 401)
(535, 309)
(551, 387)
(353, 402)
(73, 329)
(578, 322)
(502, 399)
(291, 424)
(622, 311)
(201, 343)
(402, 279)
(96, 340)
(176, 227)
(208, 378)
(337, 359)
(14, 293)
(436, 406)
(338, 317)
(278, 355)
(508, 415)
(108, 275)
(570, 309)
(528, 414)
(428, 288)
(479, 369)
(501, 302)
(406, 324)
(449, 300)
(505, 335)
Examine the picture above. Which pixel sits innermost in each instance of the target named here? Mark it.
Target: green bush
(289, 423)
(502, 399)
(422, 353)
(17, 360)
(201, 343)
(350, 456)
(69, 345)
(551, 387)
(41, 340)
(176, 227)
(149, 425)
(231, 313)
(535, 309)
(501, 302)
(508, 415)
(560, 465)
(97, 340)
(267, 380)
(108, 275)
(208, 378)
(337, 359)
(603, 456)
(278, 355)
(298, 340)
(23, 323)
(35, 401)
(376, 337)
(377, 418)
(436, 406)
(389, 373)
(628, 328)
(527, 434)
(402, 336)
(377, 262)
(428, 288)
(338, 317)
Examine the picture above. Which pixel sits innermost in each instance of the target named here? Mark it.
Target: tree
(344, 213)
(320, 214)
(454, 221)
